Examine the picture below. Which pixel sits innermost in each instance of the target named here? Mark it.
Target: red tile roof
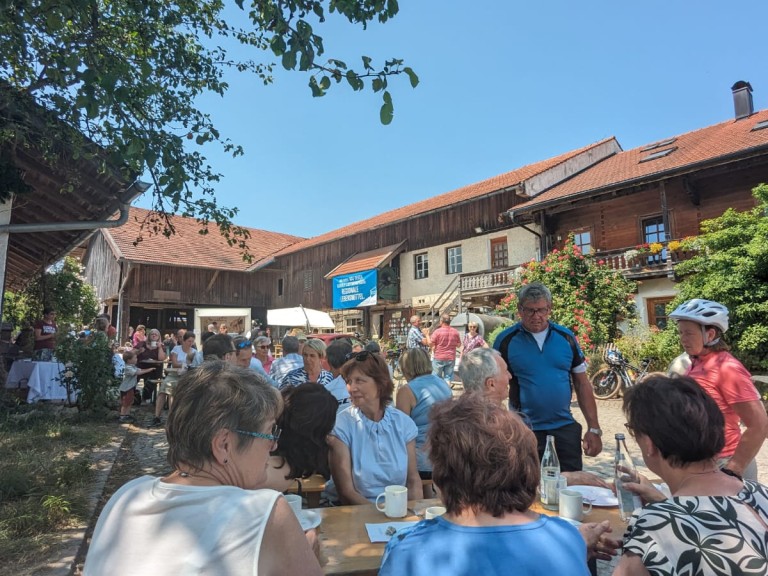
(441, 201)
(710, 145)
(210, 251)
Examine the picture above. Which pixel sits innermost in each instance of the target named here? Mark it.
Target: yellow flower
(674, 245)
(656, 247)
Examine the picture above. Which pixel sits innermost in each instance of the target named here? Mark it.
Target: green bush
(89, 369)
(731, 267)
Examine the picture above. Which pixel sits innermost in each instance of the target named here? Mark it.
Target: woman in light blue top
(417, 397)
(373, 445)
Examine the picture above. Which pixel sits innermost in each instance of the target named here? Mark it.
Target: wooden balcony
(497, 281)
(643, 265)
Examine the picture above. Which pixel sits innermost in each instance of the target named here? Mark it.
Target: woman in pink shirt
(701, 325)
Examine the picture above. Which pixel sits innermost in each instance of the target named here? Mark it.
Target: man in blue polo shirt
(543, 358)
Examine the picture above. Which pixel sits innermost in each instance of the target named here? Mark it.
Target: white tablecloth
(42, 379)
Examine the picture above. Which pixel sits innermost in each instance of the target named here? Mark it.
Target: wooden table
(346, 549)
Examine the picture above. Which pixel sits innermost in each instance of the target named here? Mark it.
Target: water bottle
(550, 476)
(624, 471)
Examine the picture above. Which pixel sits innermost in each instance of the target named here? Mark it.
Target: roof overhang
(370, 260)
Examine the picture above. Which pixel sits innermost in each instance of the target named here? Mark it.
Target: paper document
(383, 532)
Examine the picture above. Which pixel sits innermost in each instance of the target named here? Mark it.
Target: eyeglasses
(244, 344)
(274, 436)
(264, 347)
(534, 311)
(359, 356)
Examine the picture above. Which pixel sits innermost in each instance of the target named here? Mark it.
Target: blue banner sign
(354, 290)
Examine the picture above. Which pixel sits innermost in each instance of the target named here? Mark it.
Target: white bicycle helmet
(704, 312)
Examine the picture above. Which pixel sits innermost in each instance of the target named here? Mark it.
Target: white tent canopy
(299, 316)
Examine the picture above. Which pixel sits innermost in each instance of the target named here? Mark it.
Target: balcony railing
(630, 262)
(487, 280)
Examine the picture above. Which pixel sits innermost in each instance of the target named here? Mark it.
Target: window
(653, 231)
(658, 144)
(659, 154)
(453, 260)
(279, 286)
(307, 280)
(657, 311)
(499, 255)
(421, 266)
(583, 239)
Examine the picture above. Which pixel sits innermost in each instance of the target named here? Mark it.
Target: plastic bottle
(624, 471)
(550, 476)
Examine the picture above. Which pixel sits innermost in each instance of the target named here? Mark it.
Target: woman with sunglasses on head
(210, 515)
(714, 524)
(373, 444)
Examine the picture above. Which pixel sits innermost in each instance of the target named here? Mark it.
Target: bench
(310, 488)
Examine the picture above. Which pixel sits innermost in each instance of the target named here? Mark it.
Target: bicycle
(393, 359)
(619, 375)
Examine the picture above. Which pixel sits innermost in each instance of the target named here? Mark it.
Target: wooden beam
(213, 279)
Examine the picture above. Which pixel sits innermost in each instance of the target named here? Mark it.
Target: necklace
(694, 475)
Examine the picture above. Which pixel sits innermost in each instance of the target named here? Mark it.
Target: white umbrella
(299, 316)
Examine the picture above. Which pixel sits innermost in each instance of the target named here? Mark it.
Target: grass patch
(46, 475)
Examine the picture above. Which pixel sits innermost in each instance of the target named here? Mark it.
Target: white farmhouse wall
(476, 257)
(655, 288)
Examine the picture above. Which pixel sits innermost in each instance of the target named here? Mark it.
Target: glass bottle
(625, 471)
(550, 476)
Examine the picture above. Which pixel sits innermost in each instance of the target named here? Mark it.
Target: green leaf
(387, 111)
(316, 90)
(411, 76)
(289, 60)
(325, 83)
(277, 44)
(367, 63)
(354, 80)
(377, 84)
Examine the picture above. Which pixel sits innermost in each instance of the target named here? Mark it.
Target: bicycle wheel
(605, 383)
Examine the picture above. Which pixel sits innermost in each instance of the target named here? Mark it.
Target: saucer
(309, 519)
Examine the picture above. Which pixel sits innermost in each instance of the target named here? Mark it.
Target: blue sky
(503, 84)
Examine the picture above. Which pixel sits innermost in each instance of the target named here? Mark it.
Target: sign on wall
(354, 290)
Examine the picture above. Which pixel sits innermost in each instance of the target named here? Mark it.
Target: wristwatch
(596, 431)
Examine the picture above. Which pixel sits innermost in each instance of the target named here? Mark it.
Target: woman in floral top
(714, 524)
(472, 339)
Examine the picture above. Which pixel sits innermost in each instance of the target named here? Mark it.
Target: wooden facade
(615, 220)
(451, 224)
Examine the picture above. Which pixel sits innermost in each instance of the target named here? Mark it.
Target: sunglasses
(359, 356)
(243, 345)
(264, 347)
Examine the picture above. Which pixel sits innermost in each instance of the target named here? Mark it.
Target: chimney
(742, 99)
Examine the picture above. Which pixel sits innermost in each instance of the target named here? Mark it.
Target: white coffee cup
(395, 501)
(294, 501)
(573, 506)
(153, 343)
(434, 512)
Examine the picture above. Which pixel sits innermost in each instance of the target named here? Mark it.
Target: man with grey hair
(543, 358)
(290, 360)
(483, 370)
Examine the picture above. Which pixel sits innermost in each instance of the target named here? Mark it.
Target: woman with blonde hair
(421, 391)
